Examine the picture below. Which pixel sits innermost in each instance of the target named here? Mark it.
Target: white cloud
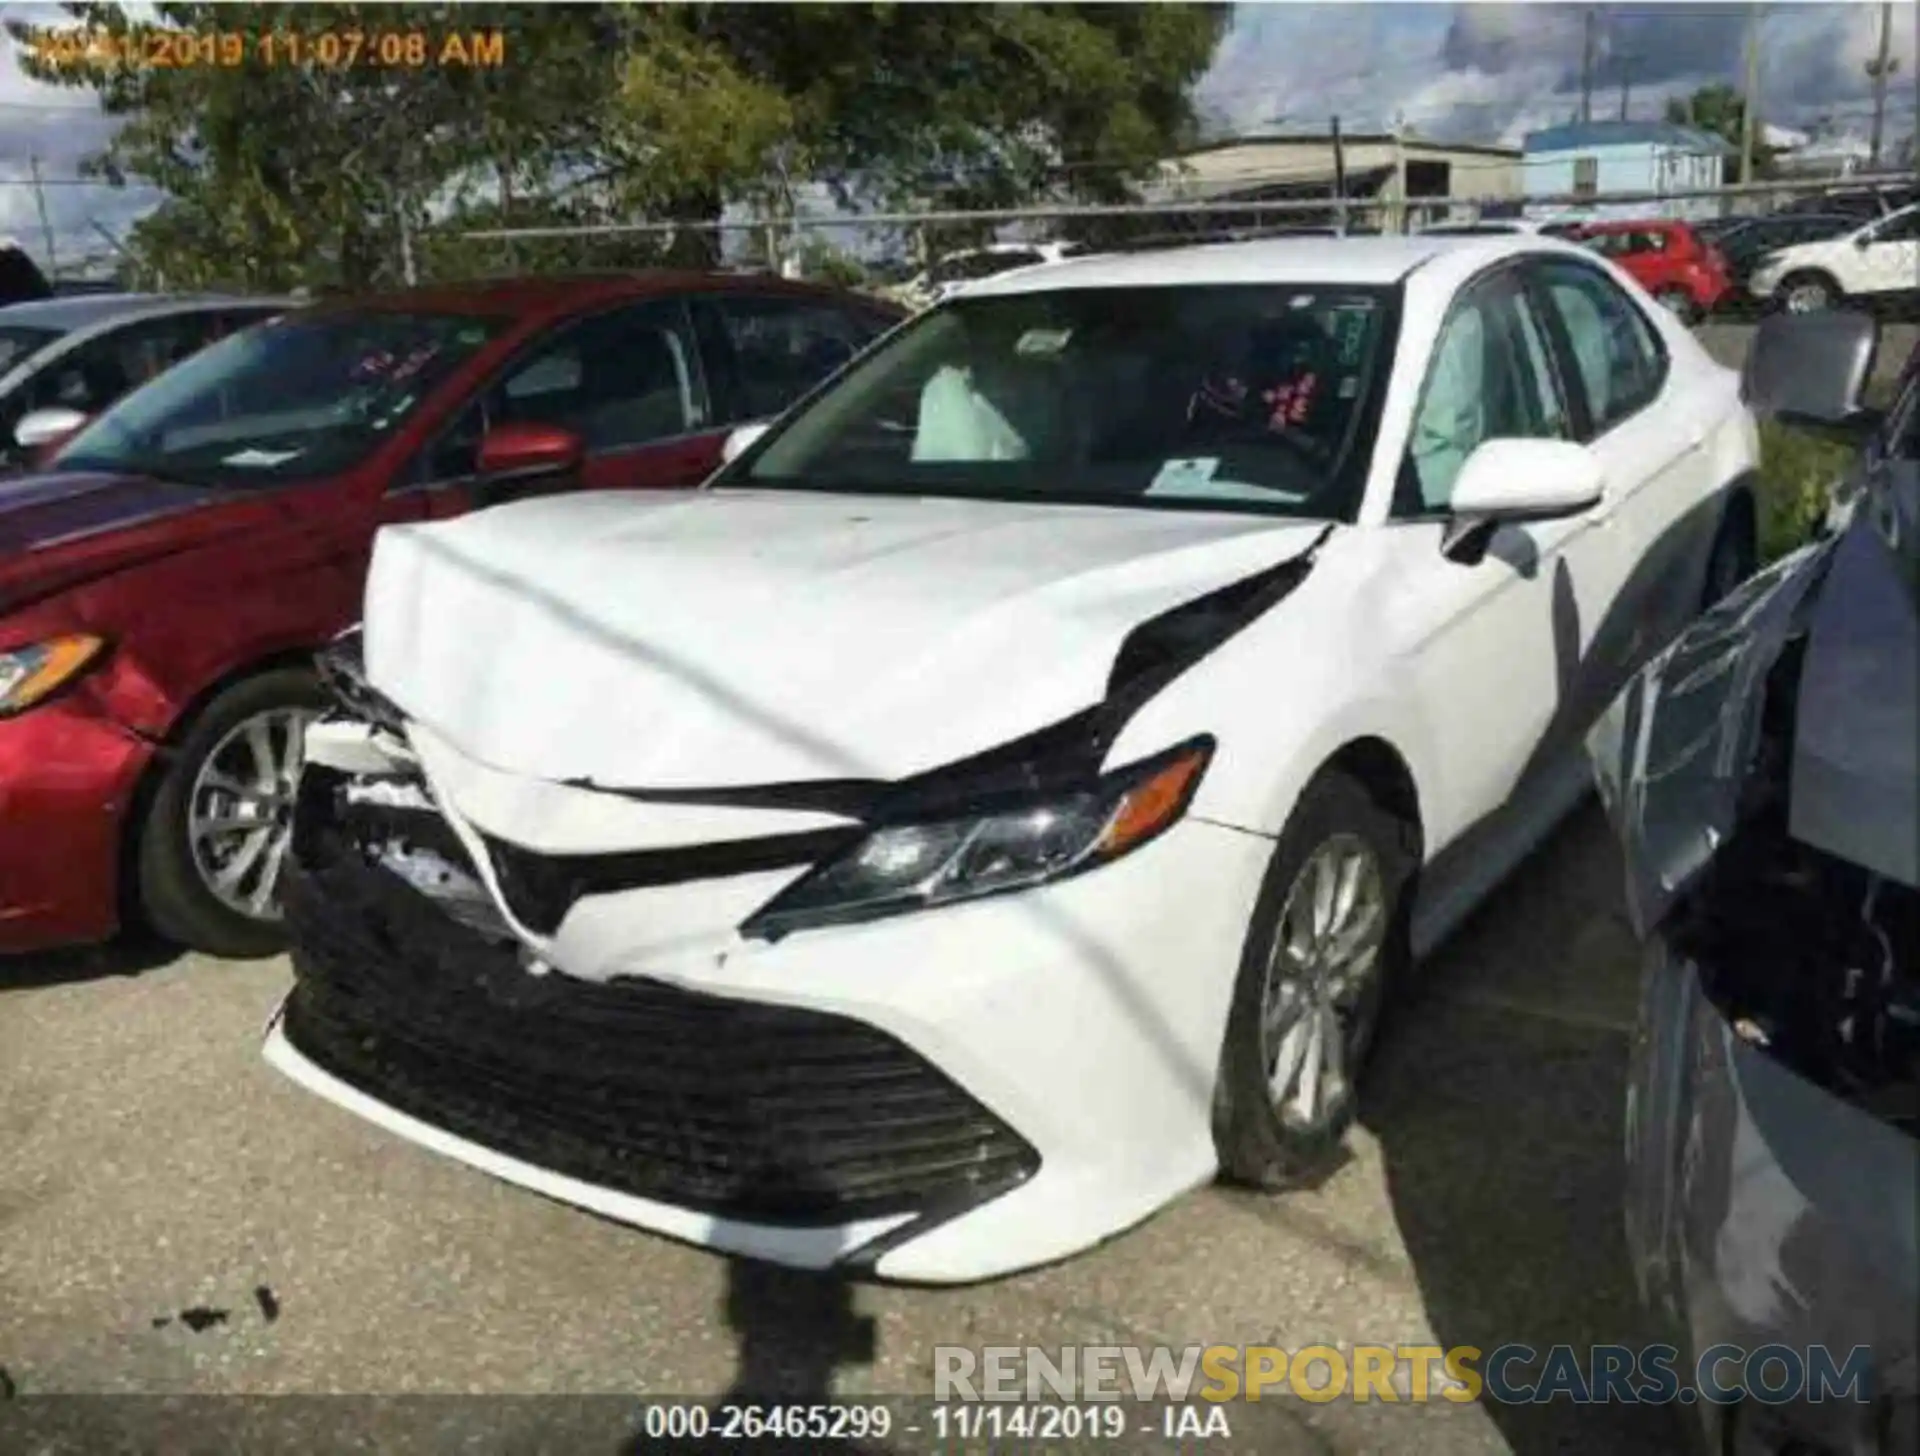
(1492, 72)
(58, 127)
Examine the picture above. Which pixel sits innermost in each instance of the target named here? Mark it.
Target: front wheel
(1325, 943)
(221, 821)
(1808, 293)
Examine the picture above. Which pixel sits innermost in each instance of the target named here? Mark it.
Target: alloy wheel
(240, 810)
(1806, 298)
(1322, 984)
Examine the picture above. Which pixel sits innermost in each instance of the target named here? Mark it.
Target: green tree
(1719, 110)
(278, 174)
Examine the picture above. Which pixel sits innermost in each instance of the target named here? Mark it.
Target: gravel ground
(176, 1219)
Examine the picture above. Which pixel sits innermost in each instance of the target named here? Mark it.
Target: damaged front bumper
(939, 1096)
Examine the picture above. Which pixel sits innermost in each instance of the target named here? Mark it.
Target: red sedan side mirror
(518, 451)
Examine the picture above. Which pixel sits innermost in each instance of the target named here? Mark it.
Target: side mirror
(529, 451)
(741, 440)
(1862, 240)
(1811, 370)
(1507, 481)
(42, 431)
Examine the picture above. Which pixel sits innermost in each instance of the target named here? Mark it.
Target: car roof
(524, 299)
(84, 310)
(1636, 225)
(1353, 260)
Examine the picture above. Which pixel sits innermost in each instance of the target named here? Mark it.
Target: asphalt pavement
(177, 1219)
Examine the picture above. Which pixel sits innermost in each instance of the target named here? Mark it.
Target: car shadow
(130, 954)
(1526, 1246)
(793, 1329)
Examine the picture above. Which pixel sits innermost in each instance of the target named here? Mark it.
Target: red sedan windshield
(299, 397)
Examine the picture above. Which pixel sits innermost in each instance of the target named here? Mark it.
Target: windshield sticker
(1042, 341)
(261, 459)
(1178, 477)
(1199, 480)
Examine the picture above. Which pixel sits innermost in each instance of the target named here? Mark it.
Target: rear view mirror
(1506, 481)
(1811, 369)
(741, 440)
(523, 451)
(42, 430)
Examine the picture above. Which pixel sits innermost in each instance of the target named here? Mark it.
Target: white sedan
(1004, 796)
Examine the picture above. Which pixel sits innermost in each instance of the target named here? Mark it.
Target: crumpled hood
(60, 529)
(728, 638)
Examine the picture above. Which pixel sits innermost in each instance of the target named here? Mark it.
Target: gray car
(80, 354)
(1764, 776)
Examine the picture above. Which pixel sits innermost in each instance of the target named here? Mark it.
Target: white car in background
(1878, 262)
(1004, 796)
(956, 270)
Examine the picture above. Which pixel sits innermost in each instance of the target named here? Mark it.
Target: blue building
(1592, 159)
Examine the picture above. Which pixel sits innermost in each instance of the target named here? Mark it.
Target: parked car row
(1801, 261)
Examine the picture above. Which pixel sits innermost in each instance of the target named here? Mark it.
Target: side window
(1902, 229)
(97, 373)
(1619, 362)
(150, 349)
(782, 347)
(1490, 377)
(618, 379)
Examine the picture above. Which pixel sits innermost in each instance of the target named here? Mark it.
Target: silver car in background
(63, 360)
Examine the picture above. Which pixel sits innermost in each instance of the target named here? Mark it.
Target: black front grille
(743, 1109)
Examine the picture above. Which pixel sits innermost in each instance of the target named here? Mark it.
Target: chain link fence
(879, 250)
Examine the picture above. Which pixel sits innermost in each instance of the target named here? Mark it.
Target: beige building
(1387, 175)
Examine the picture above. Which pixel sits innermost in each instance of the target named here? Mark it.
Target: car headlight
(30, 673)
(913, 866)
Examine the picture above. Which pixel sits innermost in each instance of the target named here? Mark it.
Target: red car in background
(1668, 259)
(164, 584)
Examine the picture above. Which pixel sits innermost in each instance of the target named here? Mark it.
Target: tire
(1807, 293)
(1735, 554)
(1679, 303)
(1257, 1144)
(179, 890)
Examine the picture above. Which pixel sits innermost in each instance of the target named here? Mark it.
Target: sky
(1483, 72)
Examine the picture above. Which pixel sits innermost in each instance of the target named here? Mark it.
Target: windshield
(298, 397)
(17, 342)
(1243, 397)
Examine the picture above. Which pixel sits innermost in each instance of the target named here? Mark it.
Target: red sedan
(164, 584)
(1668, 259)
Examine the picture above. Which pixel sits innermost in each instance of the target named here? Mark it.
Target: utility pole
(1626, 81)
(1339, 178)
(1879, 68)
(46, 223)
(1750, 96)
(1586, 67)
